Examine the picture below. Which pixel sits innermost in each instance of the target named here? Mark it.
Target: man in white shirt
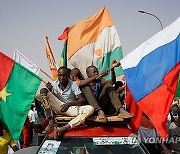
(67, 99)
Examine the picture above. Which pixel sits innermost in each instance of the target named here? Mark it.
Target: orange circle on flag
(98, 52)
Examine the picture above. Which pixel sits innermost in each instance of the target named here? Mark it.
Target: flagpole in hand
(114, 65)
(104, 73)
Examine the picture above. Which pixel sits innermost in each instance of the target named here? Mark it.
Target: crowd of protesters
(39, 120)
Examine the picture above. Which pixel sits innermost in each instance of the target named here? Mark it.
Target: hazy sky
(23, 23)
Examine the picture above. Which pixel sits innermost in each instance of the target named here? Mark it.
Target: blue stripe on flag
(148, 74)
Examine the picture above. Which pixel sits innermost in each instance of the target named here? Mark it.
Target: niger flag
(94, 41)
(18, 87)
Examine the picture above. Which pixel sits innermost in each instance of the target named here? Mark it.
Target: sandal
(124, 114)
(101, 119)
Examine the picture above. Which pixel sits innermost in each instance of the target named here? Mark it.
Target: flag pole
(47, 45)
(44, 81)
(118, 63)
(45, 137)
(47, 74)
(51, 59)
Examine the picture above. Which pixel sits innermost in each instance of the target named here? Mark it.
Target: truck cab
(113, 137)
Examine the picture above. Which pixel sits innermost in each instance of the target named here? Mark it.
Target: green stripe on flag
(63, 58)
(105, 63)
(178, 88)
(22, 86)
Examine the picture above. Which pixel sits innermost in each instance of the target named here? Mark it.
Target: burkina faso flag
(18, 87)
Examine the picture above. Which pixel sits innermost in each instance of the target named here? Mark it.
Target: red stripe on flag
(6, 65)
(133, 108)
(64, 35)
(157, 104)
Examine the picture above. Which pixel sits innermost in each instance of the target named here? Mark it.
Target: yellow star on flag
(4, 94)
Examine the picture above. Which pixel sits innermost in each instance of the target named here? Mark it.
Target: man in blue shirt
(108, 101)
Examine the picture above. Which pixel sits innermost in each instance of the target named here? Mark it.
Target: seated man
(105, 93)
(75, 75)
(99, 108)
(66, 99)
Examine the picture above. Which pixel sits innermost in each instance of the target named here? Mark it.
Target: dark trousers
(90, 98)
(108, 100)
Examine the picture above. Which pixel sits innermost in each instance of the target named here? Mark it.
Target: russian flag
(151, 73)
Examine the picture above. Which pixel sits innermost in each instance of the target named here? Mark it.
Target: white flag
(20, 58)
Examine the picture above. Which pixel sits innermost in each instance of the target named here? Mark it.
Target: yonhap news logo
(174, 139)
(136, 140)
